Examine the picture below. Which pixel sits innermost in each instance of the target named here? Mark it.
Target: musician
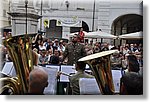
(38, 80)
(74, 79)
(74, 51)
(133, 65)
(131, 84)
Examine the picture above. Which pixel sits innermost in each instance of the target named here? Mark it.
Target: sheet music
(116, 74)
(52, 81)
(13, 72)
(9, 69)
(88, 86)
(66, 69)
(87, 66)
(53, 66)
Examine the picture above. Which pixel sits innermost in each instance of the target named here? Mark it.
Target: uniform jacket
(74, 52)
(74, 81)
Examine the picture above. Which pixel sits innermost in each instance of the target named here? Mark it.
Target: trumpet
(100, 66)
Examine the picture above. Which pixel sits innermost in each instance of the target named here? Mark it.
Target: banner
(69, 22)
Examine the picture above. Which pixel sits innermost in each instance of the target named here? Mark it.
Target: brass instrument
(100, 66)
(9, 84)
(19, 49)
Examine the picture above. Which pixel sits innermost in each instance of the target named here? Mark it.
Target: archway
(128, 23)
(53, 31)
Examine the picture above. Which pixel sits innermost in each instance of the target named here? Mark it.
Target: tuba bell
(100, 66)
(20, 51)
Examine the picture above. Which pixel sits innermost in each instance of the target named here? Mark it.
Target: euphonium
(19, 49)
(100, 66)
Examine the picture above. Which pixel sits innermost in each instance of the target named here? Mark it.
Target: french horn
(100, 66)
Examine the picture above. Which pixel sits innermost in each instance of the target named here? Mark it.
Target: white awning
(97, 34)
(136, 35)
(100, 34)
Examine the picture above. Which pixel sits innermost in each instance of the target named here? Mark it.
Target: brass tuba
(20, 51)
(100, 66)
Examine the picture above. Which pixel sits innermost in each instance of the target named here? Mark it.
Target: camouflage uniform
(74, 52)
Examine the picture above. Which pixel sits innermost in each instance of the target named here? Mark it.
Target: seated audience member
(43, 59)
(140, 60)
(54, 59)
(38, 80)
(88, 50)
(56, 43)
(61, 47)
(41, 46)
(115, 61)
(105, 47)
(96, 48)
(124, 61)
(50, 45)
(131, 84)
(74, 79)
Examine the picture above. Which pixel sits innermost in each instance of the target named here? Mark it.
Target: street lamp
(26, 6)
(93, 15)
(41, 15)
(67, 4)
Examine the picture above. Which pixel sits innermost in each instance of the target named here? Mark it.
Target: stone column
(18, 13)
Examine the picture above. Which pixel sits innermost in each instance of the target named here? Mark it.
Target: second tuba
(100, 66)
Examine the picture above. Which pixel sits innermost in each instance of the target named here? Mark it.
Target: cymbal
(97, 55)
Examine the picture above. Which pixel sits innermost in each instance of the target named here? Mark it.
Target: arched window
(128, 23)
(77, 29)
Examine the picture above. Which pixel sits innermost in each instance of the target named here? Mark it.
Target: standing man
(74, 51)
(81, 35)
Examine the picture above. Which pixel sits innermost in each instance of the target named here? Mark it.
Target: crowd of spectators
(51, 51)
(129, 56)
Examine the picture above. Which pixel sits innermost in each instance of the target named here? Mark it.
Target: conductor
(74, 51)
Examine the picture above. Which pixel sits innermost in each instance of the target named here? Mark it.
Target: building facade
(4, 17)
(24, 17)
(67, 16)
(62, 17)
